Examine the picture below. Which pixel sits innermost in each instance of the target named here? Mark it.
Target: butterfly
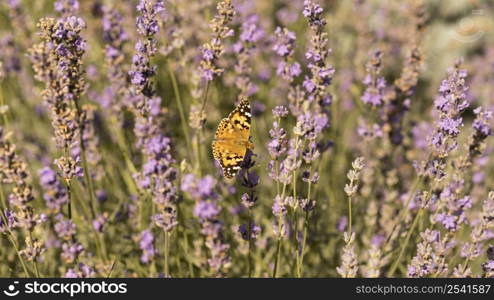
(232, 139)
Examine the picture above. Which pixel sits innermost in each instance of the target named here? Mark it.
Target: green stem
(9, 233)
(69, 199)
(98, 238)
(101, 239)
(306, 226)
(249, 231)
(142, 219)
(14, 244)
(89, 182)
(2, 199)
(123, 144)
(349, 216)
(34, 259)
(304, 243)
(87, 173)
(277, 168)
(198, 135)
(180, 107)
(205, 98)
(68, 186)
(404, 211)
(167, 247)
(404, 246)
(295, 214)
(295, 222)
(465, 265)
(112, 268)
(278, 246)
(197, 155)
(4, 115)
(185, 238)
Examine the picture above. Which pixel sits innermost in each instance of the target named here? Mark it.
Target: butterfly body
(232, 139)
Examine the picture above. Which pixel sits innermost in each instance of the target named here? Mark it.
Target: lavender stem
(180, 107)
(280, 237)
(405, 243)
(306, 229)
(9, 233)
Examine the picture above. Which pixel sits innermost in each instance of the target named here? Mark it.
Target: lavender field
(358, 138)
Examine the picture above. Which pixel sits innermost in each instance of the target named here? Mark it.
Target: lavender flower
(122, 187)
(9, 223)
(212, 50)
(199, 189)
(13, 170)
(158, 173)
(284, 47)
(374, 263)
(488, 266)
(321, 73)
(57, 62)
(141, 71)
(81, 271)
(67, 7)
(18, 17)
(207, 211)
(409, 77)
(398, 100)
(430, 255)
(146, 244)
(482, 129)
(480, 231)
(279, 208)
(250, 35)
(278, 144)
(353, 177)
(342, 224)
(375, 85)
(100, 222)
(158, 176)
(450, 104)
(55, 193)
(454, 205)
(10, 55)
(66, 231)
(254, 231)
(349, 264)
(115, 38)
(90, 141)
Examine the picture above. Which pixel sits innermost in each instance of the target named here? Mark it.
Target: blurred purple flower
(375, 85)
(255, 230)
(206, 210)
(146, 243)
(67, 7)
(342, 224)
(55, 193)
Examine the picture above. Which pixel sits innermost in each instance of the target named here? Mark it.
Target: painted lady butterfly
(231, 140)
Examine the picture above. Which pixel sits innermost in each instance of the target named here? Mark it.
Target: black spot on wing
(231, 171)
(244, 110)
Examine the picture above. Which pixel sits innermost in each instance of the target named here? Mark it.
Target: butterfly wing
(240, 118)
(231, 139)
(224, 132)
(230, 156)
